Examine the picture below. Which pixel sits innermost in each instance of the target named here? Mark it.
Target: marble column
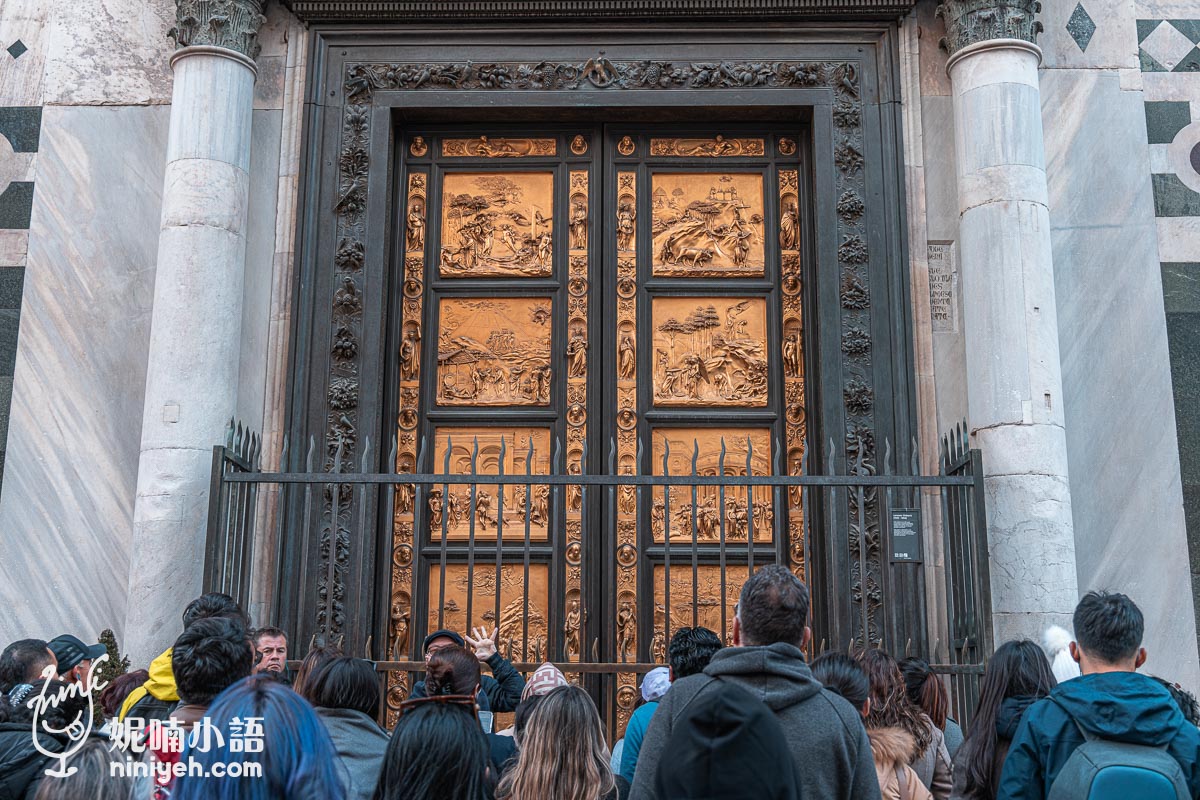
(195, 334)
(1014, 375)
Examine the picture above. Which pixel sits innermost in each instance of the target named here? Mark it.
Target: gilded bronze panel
(514, 615)
(710, 351)
(626, 342)
(717, 147)
(707, 224)
(453, 509)
(795, 413)
(704, 444)
(709, 602)
(493, 147)
(494, 351)
(497, 224)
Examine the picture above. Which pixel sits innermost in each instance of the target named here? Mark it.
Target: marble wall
(97, 71)
(1120, 421)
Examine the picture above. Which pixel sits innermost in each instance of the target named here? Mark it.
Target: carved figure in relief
(625, 624)
(658, 648)
(626, 229)
(436, 508)
(577, 355)
(404, 498)
(579, 226)
(627, 499)
(791, 356)
(483, 508)
(400, 619)
(410, 354)
(626, 358)
(416, 227)
(574, 618)
(789, 227)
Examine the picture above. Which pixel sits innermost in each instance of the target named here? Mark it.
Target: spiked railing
(867, 597)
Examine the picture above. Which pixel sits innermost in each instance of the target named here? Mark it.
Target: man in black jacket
(499, 692)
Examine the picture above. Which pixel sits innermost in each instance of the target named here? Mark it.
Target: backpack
(1101, 769)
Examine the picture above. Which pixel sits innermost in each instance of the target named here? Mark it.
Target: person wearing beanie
(1056, 641)
(544, 680)
(500, 691)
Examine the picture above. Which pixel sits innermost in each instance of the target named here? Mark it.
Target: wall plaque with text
(906, 534)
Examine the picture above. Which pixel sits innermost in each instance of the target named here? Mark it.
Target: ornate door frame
(363, 87)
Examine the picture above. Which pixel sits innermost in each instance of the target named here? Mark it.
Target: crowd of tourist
(218, 716)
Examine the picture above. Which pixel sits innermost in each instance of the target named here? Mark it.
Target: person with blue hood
(1110, 701)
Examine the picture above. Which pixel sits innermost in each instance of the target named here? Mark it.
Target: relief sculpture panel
(524, 632)
(497, 224)
(711, 603)
(707, 224)
(510, 446)
(742, 515)
(710, 351)
(494, 351)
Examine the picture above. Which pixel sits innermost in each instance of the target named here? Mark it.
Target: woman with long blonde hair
(563, 753)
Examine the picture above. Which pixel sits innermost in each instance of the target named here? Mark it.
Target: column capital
(231, 24)
(970, 22)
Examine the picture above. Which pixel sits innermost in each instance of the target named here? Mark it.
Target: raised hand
(483, 643)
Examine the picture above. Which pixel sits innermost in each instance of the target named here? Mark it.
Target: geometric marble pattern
(1168, 45)
(1081, 27)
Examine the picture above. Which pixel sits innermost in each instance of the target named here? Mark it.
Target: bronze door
(582, 300)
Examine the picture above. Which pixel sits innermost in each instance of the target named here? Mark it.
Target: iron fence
(491, 530)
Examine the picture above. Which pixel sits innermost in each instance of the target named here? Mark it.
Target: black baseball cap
(70, 651)
(456, 638)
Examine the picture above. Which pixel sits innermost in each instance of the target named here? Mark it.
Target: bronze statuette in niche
(707, 225)
(497, 225)
(494, 351)
(741, 517)
(485, 147)
(716, 147)
(492, 503)
(710, 351)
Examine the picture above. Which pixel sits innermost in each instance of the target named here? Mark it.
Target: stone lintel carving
(508, 10)
(232, 24)
(969, 22)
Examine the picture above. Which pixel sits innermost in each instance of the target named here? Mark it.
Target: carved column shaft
(195, 336)
(1014, 375)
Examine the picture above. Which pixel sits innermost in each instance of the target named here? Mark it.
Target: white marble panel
(13, 247)
(1178, 238)
(110, 52)
(941, 206)
(1113, 44)
(260, 251)
(1178, 86)
(1121, 445)
(71, 471)
(21, 78)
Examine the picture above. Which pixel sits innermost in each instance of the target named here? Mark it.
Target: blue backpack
(1101, 769)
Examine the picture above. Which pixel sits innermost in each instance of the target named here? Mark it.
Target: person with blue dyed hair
(297, 758)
